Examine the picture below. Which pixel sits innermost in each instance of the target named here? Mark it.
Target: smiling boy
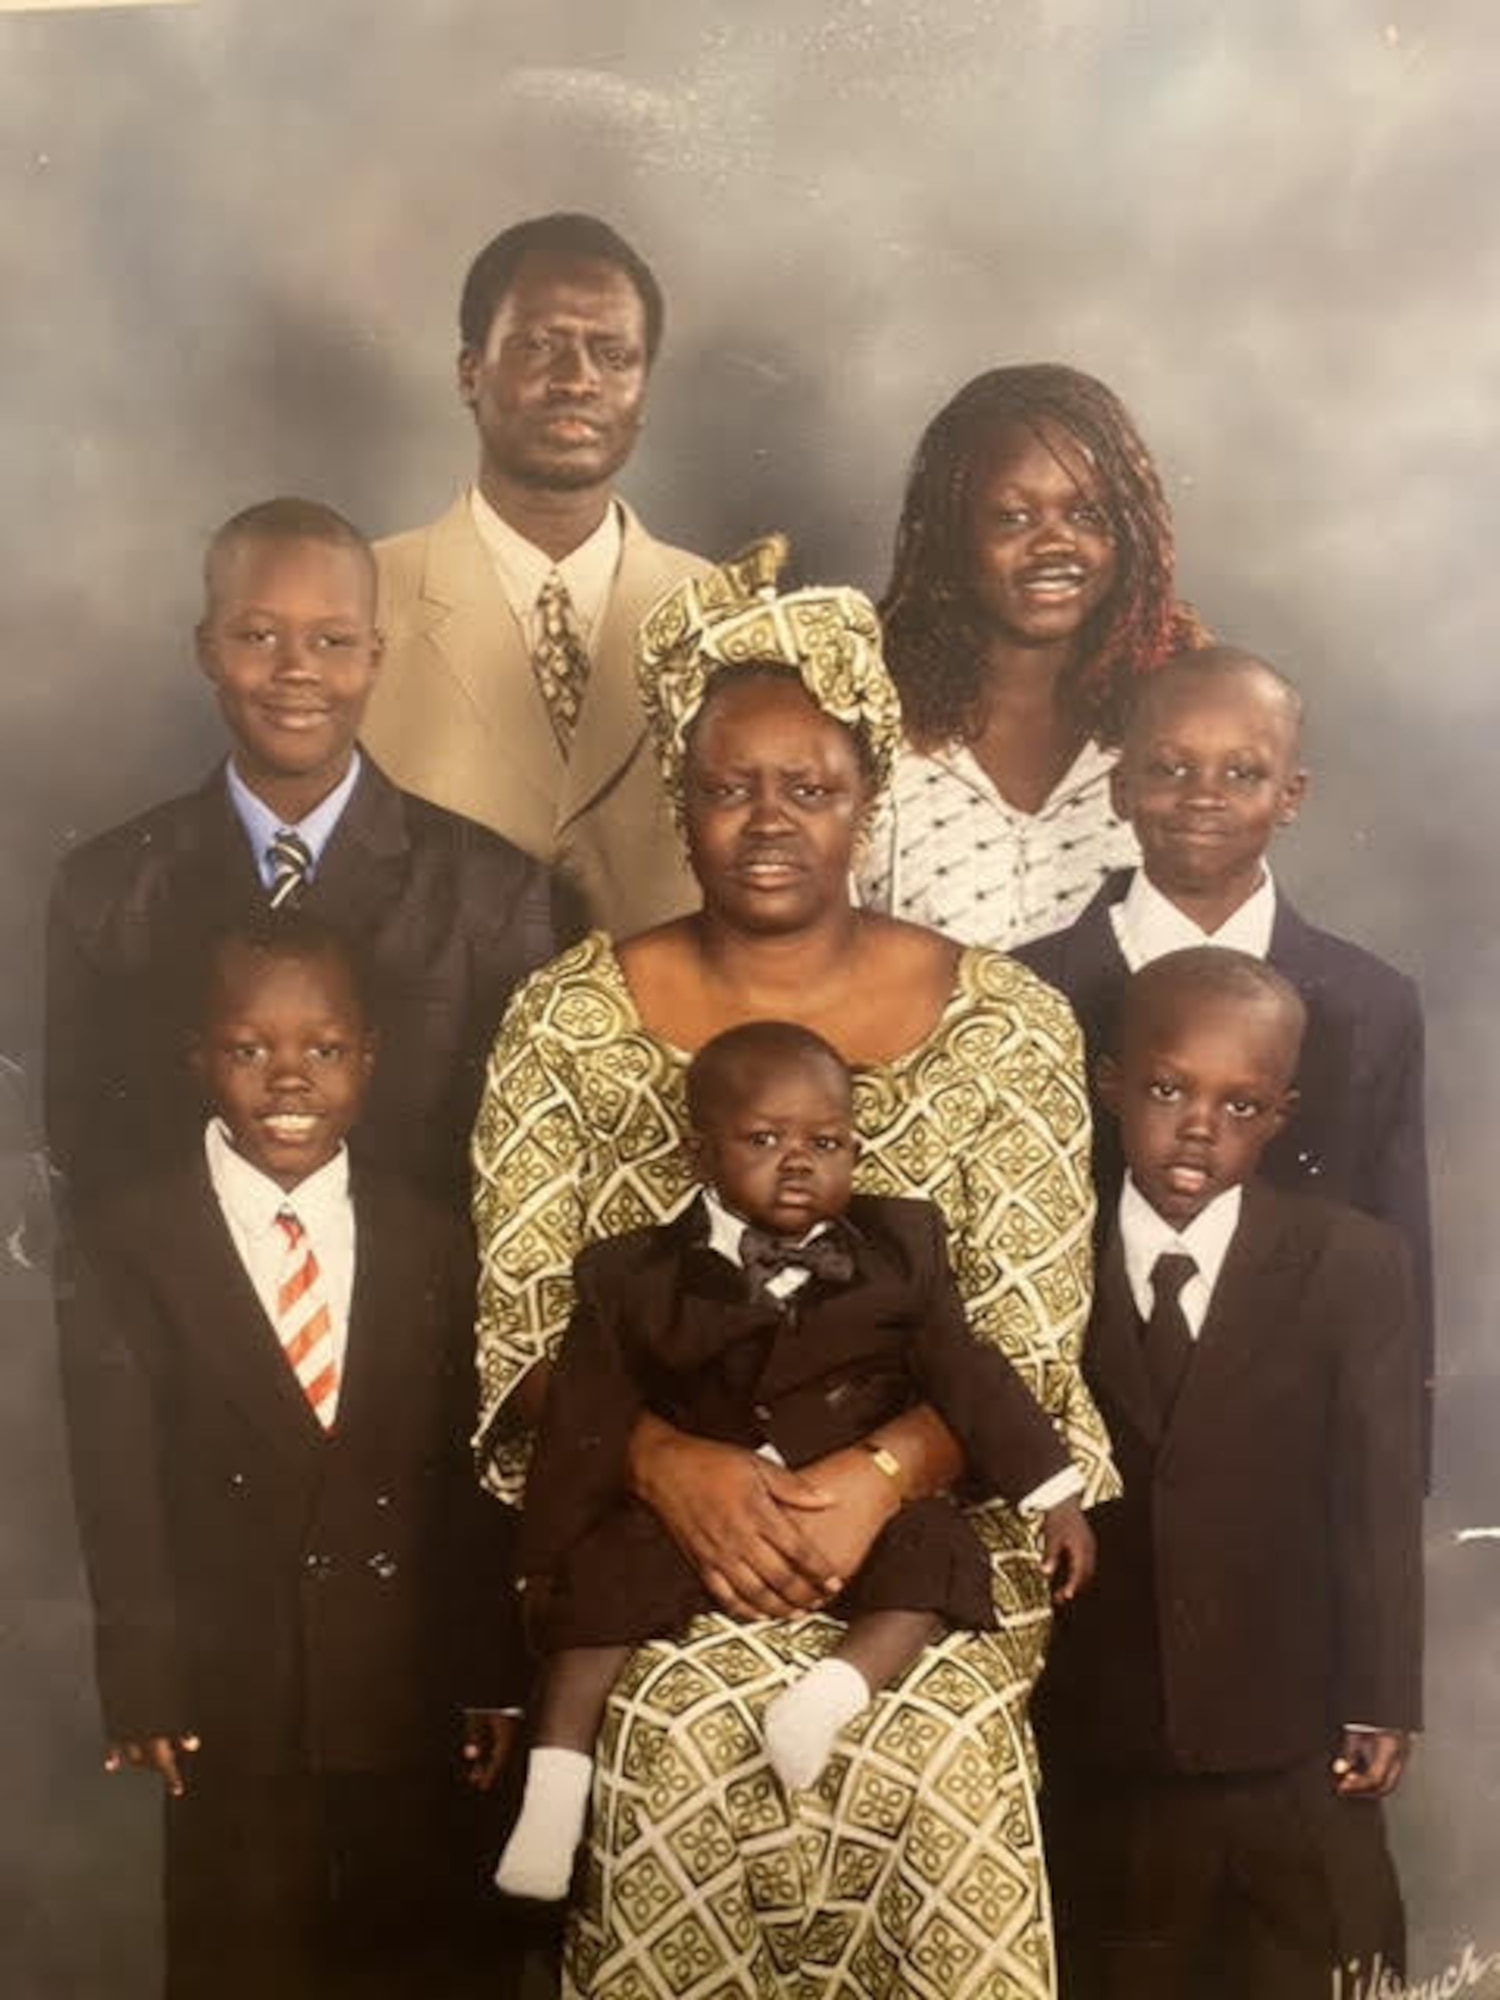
(301, 1595)
(1224, 1712)
(449, 915)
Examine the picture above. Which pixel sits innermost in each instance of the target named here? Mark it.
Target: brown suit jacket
(1260, 1582)
(457, 717)
(302, 1599)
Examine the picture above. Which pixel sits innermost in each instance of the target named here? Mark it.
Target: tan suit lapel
(475, 635)
(612, 723)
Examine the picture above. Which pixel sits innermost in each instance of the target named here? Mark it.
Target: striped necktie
(304, 1323)
(291, 864)
(561, 661)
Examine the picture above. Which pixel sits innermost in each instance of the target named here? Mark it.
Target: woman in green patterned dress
(915, 1868)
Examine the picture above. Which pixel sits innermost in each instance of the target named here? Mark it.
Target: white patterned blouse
(945, 848)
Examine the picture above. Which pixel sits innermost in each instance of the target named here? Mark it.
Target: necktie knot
(291, 864)
(827, 1256)
(1170, 1272)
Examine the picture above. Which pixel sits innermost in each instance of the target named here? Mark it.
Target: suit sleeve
(1010, 1446)
(514, 933)
(482, 1618)
(1400, 1190)
(116, 1444)
(578, 1463)
(1375, 1499)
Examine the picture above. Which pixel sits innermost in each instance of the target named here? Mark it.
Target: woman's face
(1042, 544)
(775, 795)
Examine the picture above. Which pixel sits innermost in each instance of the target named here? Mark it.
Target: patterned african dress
(914, 1871)
(945, 849)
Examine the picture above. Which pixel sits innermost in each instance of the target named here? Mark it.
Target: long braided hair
(935, 632)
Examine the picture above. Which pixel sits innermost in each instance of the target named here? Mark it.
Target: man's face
(289, 641)
(558, 388)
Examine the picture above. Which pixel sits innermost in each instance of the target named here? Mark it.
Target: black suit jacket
(300, 1598)
(1259, 1584)
(663, 1322)
(1358, 1134)
(448, 916)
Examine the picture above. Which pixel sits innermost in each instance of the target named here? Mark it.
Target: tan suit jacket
(457, 717)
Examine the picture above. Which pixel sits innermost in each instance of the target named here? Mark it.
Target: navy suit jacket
(447, 915)
(1358, 1134)
(1259, 1583)
(301, 1599)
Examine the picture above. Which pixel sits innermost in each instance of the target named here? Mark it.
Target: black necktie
(291, 864)
(1165, 1340)
(827, 1256)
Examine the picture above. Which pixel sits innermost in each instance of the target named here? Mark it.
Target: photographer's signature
(1470, 1969)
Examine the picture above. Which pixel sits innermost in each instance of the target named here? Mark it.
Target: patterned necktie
(827, 1257)
(304, 1323)
(291, 864)
(1165, 1339)
(561, 661)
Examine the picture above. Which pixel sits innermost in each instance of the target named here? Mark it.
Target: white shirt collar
(1145, 1236)
(1148, 926)
(261, 824)
(588, 571)
(253, 1200)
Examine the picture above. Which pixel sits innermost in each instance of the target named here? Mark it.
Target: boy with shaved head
(1225, 1710)
(448, 915)
(1210, 770)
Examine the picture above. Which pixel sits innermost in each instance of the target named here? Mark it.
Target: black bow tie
(827, 1256)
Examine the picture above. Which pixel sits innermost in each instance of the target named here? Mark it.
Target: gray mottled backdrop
(230, 242)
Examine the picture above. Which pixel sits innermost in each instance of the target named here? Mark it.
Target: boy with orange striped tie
(298, 1584)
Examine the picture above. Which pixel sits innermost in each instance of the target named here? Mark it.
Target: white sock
(538, 1857)
(802, 1723)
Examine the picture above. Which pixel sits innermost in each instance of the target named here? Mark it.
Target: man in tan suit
(508, 691)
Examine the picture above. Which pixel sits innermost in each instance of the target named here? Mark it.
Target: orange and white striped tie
(304, 1322)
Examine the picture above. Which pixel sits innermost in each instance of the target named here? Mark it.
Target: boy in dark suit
(784, 1314)
(297, 1582)
(1209, 770)
(1225, 1710)
(448, 915)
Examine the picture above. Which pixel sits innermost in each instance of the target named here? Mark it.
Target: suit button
(384, 1566)
(238, 1483)
(317, 1565)
(762, 1413)
(382, 1499)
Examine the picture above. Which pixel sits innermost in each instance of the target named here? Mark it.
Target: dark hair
(285, 519)
(1207, 664)
(716, 1073)
(740, 671)
(280, 935)
(1208, 972)
(934, 634)
(493, 271)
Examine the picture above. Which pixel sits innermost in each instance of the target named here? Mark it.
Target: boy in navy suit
(1224, 1712)
(448, 916)
(1209, 771)
(297, 1582)
(782, 1313)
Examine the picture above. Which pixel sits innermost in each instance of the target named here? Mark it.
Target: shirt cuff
(1052, 1492)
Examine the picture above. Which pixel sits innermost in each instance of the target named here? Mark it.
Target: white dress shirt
(946, 849)
(726, 1232)
(261, 824)
(1148, 926)
(1145, 1236)
(251, 1202)
(588, 572)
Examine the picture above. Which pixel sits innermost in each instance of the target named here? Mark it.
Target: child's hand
(1067, 1549)
(1370, 1763)
(153, 1753)
(489, 1738)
